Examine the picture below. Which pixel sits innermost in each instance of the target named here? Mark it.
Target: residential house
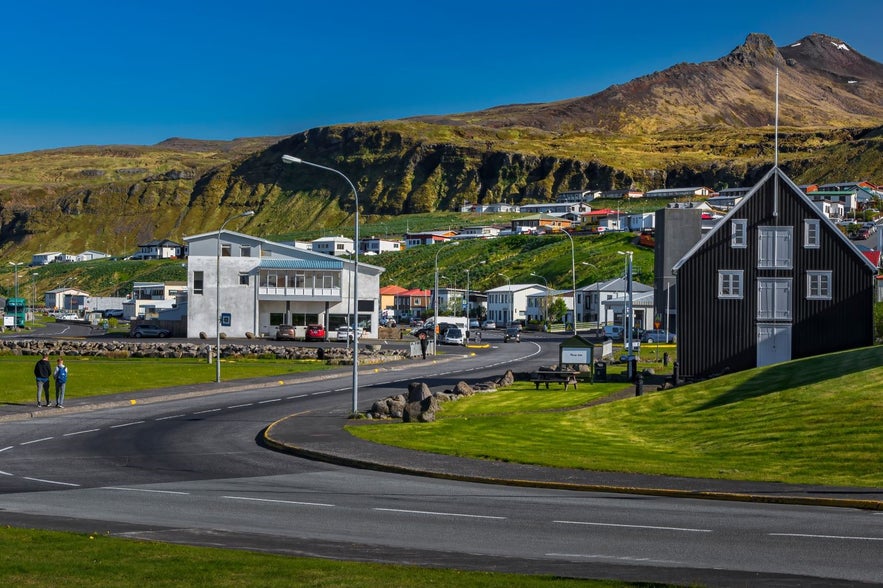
(640, 221)
(69, 299)
(539, 303)
(45, 258)
(556, 208)
(539, 223)
(333, 246)
(509, 303)
(90, 255)
(159, 249)
(148, 298)
(263, 284)
(690, 192)
(388, 299)
(492, 208)
(642, 303)
(604, 220)
(775, 280)
(412, 304)
(577, 196)
(451, 301)
(376, 246)
(481, 232)
(428, 238)
(624, 194)
(592, 300)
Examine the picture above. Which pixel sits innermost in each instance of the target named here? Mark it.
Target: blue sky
(137, 72)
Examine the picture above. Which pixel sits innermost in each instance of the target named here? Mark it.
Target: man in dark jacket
(42, 371)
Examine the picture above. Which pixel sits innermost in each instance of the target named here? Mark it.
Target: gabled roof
(392, 290)
(796, 192)
(160, 243)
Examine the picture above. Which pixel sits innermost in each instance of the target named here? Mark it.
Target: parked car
(474, 324)
(489, 325)
(150, 331)
(285, 333)
(388, 323)
(614, 332)
(113, 312)
(658, 336)
(316, 333)
(345, 333)
(453, 336)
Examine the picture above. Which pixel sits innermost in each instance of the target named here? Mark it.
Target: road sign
(226, 319)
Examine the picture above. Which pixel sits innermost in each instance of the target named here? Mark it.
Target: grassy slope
(813, 421)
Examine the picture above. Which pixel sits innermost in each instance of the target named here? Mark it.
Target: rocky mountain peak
(756, 48)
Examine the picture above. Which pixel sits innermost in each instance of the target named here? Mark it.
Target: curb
(337, 459)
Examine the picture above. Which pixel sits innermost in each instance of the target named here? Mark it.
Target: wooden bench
(551, 377)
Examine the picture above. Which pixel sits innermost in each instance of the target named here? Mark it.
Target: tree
(557, 310)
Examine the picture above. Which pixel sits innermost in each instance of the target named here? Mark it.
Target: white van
(615, 332)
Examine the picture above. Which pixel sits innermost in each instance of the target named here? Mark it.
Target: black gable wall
(716, 335)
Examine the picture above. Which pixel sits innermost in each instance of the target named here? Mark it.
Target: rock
(418, 391)
(422, 411)
(507, 379)
(462, 389)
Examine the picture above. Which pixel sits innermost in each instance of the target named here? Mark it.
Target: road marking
(51, 482)
(442, 514)
(145, 490)
(268, 401)
(298, 396)
(651, 527)
(242, 405)
(5, 449)
(126, 424)
(207, 411)
(6, 474)
(174, 416)
(37, 440)
(614, 557)
(81, 432)
(811, 536)
(277, 501)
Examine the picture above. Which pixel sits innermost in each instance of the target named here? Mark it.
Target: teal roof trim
(302, 264)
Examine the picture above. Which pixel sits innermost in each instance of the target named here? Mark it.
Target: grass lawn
(38, 559)
(97, 376)
(809, 421)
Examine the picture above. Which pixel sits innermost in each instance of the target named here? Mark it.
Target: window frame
(730, 284)
(739, 233)
(775, 236)
(811, 233)
(822, 281)
(198, 282)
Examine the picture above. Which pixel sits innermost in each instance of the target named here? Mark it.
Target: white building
(556, 208)
(148, 298)
(376, 246)
(537, 304)
(339, 245)
(45, 258)
(264, 284)
(593, 301)
(90, 255)
(509, 303)
(578, 196)
(159, 249)
(484, 232)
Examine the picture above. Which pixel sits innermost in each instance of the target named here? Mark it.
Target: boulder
(462, 389)
(506, 380)
(422, 411)
(418, 391)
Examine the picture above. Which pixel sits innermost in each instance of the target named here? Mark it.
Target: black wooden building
(774, 280)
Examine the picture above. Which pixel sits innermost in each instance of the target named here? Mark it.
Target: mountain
(692, 124)
(823, 82)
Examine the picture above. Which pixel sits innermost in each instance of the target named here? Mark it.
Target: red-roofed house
(412, 304)
(388, 297)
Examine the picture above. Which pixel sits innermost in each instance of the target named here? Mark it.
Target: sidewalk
(322, 437)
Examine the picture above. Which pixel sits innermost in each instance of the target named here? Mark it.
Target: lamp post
(511, 303)
(597, 295)
(34, 301)
(629, 308)
(573, 276)
(546, 309)
(355, 294)
(435, 297)
(468, 290)
(16, 264)
(218, 295)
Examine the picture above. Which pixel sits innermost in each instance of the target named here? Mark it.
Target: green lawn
(36, 559)
(811, 421)
(95, 376)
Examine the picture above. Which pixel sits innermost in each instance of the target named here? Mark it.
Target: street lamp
(546, 310)
(435, 296)
(629, 308)
(218, 295)
(468, 290)
(34, 307)
(16, 264)
(573, 276)
(355, 294)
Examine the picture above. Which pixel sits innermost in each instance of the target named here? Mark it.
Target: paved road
(190, 470)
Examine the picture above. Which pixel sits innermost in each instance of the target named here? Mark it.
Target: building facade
(264, 284)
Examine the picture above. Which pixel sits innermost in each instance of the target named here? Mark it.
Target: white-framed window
(730, 284)
(198, 281)
(243, 279)
(774, 299)
(775, 247)
(811, 235)
(818, 285)
(226, 250)
(739, 233)
(245, 251)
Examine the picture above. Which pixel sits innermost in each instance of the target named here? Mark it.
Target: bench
(551, 377)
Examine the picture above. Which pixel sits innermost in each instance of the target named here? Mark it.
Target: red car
(316, 333)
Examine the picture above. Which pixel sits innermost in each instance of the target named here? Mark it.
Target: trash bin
(600, 371)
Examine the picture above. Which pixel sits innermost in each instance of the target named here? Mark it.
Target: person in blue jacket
(60, 376)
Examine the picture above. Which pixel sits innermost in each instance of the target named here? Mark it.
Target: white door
(773, 344)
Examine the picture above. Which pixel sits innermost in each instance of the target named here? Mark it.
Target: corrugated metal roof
(304, 264)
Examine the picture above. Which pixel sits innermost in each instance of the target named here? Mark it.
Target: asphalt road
(191, 471)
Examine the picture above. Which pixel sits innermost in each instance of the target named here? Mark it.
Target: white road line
(651, 527)
(329, 391)
(51, 482)
(242, 405)
(277, 501)
(298, 396)
(441, 514)
(126, 424)
(810, 536)
(6, 449)
(37, 440)
(6, 474)
(174, 416)
(613, 557)
(269, 401)
(81, 432)
(207, 411)
(145, 490)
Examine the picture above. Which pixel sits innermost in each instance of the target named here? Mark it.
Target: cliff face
(692, 124)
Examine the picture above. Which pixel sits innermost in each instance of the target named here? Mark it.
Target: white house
(264, 284)
(690, 192)
(148, 298)
(65, 299)
(45, 258)
(159, 249)
(494, 207)
(592, 301)
(90, 255)
(339, 245)
(577, 196)
(641, 220)
(484, 232)
(376, 246)
(509, 303)
(537, 304)
(556, 208)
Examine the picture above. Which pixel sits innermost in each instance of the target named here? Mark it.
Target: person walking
(60, 376)
(423, 343)
(42, 371)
